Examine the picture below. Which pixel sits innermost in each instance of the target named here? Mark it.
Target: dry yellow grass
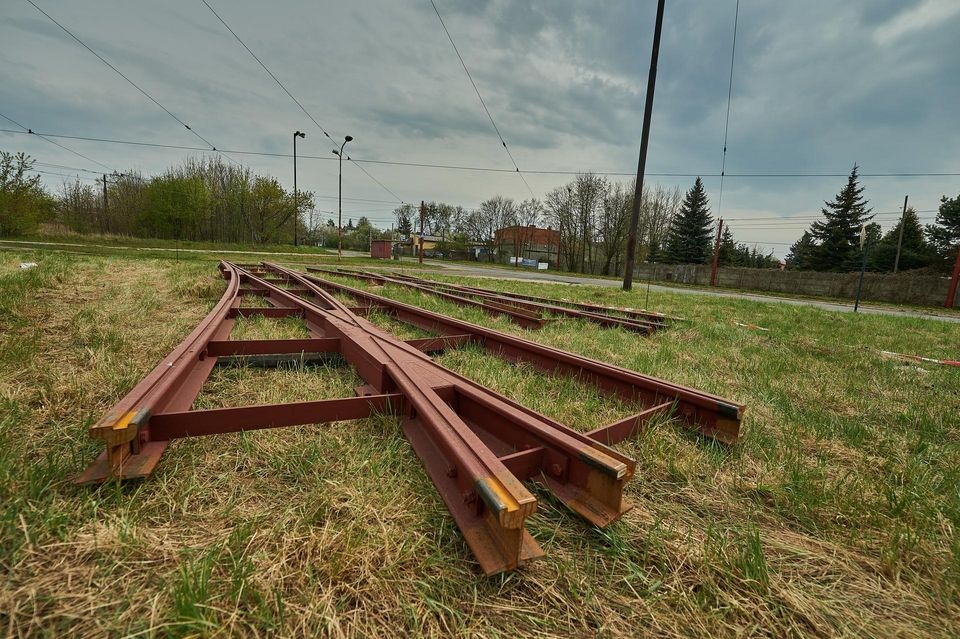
(836, 515)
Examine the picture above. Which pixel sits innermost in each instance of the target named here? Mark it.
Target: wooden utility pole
(103, 215)
(716, 255)
(422, 213)
(896, 262)
(641, 165)
(952, 291)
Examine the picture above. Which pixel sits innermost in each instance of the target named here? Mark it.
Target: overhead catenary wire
(131, 82)
(291, 96)
(485, 169)
(726, 125)
(484, 104)
(30, 131)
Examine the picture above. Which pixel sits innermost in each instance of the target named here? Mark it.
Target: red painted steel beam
(437, 344)
(628, 427)
(172, 385)
(507, 300)
(221, 348)
(452, 420)
(710, 415)
(649, 316)
(524, 317)
(214, 421)
(476, 445)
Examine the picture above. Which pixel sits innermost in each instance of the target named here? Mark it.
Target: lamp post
(339, 154)
(296, 197)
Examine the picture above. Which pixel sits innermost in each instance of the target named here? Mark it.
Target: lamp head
(335, 152)
(300, 134)
(348, 138)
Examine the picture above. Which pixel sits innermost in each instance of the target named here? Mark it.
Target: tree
(688, 241)
(728, 249)
(801, 253)
(558, 207)
(23, 202)
(838, 236)
(404, 217)
(945, 233)
(493, 214)
(612, 225)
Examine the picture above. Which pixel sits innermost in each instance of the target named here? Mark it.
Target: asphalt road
(526, 274)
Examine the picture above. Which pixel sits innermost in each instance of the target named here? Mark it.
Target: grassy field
(838, 513)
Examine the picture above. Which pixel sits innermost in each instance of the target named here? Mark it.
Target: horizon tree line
(207, 199)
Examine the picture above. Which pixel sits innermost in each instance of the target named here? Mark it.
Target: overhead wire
(482, 102)
(132, 83)
(484, 169)
(30, 131)
(296, 101)
(726, 126)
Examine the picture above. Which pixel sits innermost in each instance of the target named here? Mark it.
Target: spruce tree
(688, 241)
(728, 248)
(915, 251)
(945, 234)
(912, 232)
(801, 252)
(838, 236)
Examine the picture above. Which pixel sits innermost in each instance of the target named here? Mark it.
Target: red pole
(952, 291)
(716, 255)
(422, 208)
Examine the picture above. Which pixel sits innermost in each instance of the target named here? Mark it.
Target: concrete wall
(902, 288)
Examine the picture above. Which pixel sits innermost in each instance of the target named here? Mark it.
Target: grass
(838, 513)
(141, 248)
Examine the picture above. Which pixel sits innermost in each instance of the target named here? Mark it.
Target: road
(525, 274)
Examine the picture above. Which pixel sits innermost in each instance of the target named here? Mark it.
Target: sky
(817, 87)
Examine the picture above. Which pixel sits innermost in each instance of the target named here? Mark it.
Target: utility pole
(296, 195)
(716, 255)
(422, 212)
(641, 165)
(863, 265)
(103, 215)
(896, 262)
(952, 291)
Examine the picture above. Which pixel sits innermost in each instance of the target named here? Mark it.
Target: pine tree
(912, 232)
(688, 241)
(915, 252)
(728, 248)
(838, 237)
(945, 234)
(801, 252)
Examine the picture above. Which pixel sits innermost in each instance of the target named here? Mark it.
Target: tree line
(207, 199)
(846, 236)
(592, 214)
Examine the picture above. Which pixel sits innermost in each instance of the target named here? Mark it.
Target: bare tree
(612, 225)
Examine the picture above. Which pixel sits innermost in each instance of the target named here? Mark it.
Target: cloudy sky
(818, 86)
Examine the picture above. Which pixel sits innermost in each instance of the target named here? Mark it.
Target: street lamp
(339, 154)
(296, 198)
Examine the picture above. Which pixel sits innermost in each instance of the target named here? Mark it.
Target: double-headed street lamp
(296, 197)
(340, 198)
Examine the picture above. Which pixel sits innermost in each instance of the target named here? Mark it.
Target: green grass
(150, 248)
(838, 512)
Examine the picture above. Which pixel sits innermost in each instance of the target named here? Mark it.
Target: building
(430, 243)
(530, 242)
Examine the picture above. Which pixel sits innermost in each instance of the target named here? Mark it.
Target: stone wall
(902, 288)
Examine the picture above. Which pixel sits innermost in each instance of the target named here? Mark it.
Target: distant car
(433, 254)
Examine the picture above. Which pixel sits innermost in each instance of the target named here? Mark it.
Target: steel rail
(502, 300)
(640, 314)
(477, 446)
(709, 414)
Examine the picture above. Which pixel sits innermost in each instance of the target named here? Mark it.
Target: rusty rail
(477, 446)
(710, 415)
(628, 319)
